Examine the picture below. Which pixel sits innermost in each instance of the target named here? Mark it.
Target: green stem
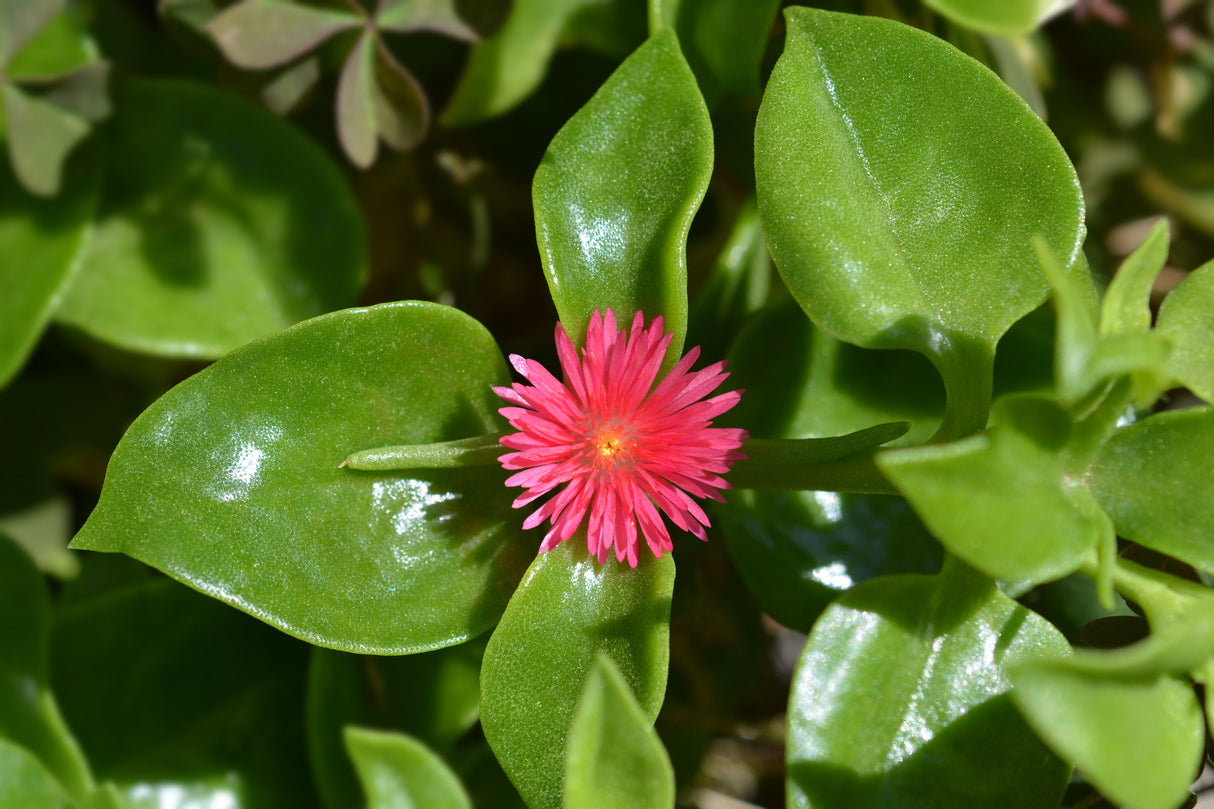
(968, 371)
(481, 450)
(1090, 434)
(843, 464)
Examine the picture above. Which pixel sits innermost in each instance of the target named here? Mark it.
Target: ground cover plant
(596, 403)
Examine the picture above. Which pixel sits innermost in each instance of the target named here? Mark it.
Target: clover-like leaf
(900, 698)
(225, 225)
(19, 22)
(614, 759)
(617, 189)
(249, 448)
(254, 34)
(567, 610)
(898, 218)
(399, 772)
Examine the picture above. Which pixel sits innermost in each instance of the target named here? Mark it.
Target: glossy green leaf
(257, 35)
(48, 235)
(1187, 318)
(1006, 17)
(898, 218)
(25, 783)
(387, 563)
(1151, 478)
(399, 772)
(724, 40)
(614, 759)
(1138, 740)
(798, 551)
(961, 491)
(434, 697)
(617, 189)
(568, 609)
(19, 22)
(901, 699)
(40, 137)
(177, 698)
(225, 224)
(29, 716)
(506, 68)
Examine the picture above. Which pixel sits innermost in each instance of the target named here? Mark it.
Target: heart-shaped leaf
(1150, 477)
(249, 448)
(226, 224)
(900, 698)
(29, 717)
(256, 35)
(398, 772)
(614, 759)
(567, 610)
(1138, 739)
(898, 218)
(617, 189)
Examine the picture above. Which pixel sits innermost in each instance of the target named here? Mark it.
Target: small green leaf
(1187, 318)
(617, 189)
(46, 235)
(614, 759)
(29, 716)
(25, 783)
(356, 103)
(1138, 740)
(257, 35)
(224, 225)
(1006, 17)
(506, 68)
(387, 563)
(568, 609)
(398, 772)
(961, 491)
(1127, 302)
(434, 697)
(900, 698)
(40, 137)
(1152, 476)
(898, 218)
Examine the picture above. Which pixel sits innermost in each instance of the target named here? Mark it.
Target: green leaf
(434, 697)
(961, 491)
(1127, 302)
(1152, 476)
(897, 217)
(257, 35)
(398, 772)
(40, 137)
(462, 19)
(568, 609)
(402, 113)
(616, 192)
(900, 698)
(386, 563)
(224, 225)
(19, 22)
(797, 551)
(49, 235)
(724, 40)
(1138, 740)
(174, 694)
(60, 46)
(356, 103)
(1187, 318)
(506, 68)
(25, 783)
(29, 716)
(614, 759)
(1006, 17)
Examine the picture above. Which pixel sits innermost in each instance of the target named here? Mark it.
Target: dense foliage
(953, 251)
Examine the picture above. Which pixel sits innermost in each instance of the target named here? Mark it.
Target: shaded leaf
(356, 103)
(614, 758)
(463, 19)
(616, 192)
(387, 563)
(1187, 318)
(401, 112)
(40, 137)
(567, 610)
(19, 22)
(60, 46)
(256, 35)
(898, 218)
(901, 699)
(225, 224)
(724, 40)
(398, 772)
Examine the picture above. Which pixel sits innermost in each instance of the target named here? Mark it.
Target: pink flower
(622, 448)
